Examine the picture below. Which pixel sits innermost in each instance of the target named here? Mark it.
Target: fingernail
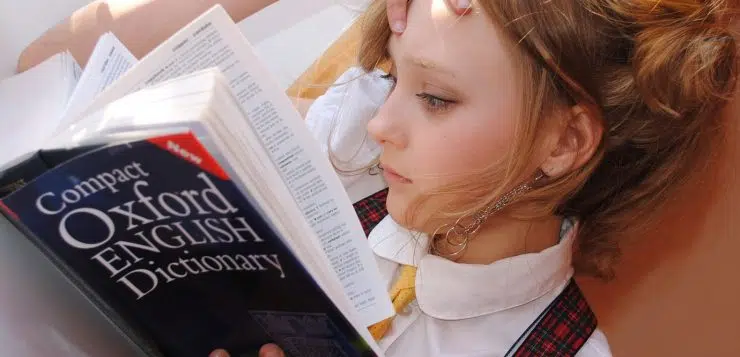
(219, 353)
(398, 26)
(463, 4)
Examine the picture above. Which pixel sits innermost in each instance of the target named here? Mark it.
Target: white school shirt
(461, 310)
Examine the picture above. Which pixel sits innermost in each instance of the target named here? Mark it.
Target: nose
(387, 127)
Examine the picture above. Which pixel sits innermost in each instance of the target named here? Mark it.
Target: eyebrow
(421, 62)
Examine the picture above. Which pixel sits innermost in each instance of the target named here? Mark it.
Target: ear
(577, 140)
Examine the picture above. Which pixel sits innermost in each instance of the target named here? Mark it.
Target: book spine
(15, 177)
(56, 157)
(127, 331)
(18, 175)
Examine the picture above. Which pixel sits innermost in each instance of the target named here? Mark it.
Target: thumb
(271, 350)
(396, 11)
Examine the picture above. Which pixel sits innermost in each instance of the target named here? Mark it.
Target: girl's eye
(432, 103)
(435, 104)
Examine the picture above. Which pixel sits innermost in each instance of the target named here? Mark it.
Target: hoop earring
(457, 236)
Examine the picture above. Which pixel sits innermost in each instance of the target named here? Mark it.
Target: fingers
(271, 350)
(396, 10)
(460, 7)
(219, 353)
(268, 350)
(396, 14)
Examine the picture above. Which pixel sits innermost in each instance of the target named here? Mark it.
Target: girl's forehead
(436, 37)
(433, 19)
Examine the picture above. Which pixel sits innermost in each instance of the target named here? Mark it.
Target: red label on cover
(6, 209)
(188, 148)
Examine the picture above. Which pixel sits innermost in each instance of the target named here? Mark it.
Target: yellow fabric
(402, 294)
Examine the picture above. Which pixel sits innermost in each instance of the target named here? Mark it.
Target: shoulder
(596, 346)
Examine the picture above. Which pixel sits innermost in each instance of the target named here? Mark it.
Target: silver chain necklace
(457, 236)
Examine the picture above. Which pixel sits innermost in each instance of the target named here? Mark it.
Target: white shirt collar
(450, 291)
(391, 241)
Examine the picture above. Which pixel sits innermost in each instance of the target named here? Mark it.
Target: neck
(502, 237)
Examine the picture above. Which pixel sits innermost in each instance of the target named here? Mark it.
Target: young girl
(517, 143)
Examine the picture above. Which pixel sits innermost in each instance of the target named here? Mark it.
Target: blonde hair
(654, 71)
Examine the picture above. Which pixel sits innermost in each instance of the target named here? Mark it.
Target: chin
(398, 206)
(421, 219)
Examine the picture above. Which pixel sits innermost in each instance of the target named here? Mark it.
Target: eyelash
(433, 103)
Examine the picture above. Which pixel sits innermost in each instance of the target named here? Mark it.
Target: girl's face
(454, 108)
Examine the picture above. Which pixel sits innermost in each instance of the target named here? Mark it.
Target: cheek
(406, 206)
(442, 154)
(463, 147)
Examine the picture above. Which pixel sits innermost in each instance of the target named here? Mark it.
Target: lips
(392, 175)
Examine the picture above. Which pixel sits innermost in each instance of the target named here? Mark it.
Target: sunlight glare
(439, 8)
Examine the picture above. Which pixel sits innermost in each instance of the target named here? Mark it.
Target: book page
(73, 70)
(109, 60)
(32, 103)
(213, 40)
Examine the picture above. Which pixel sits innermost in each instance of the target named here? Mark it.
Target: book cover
(26, 170)
(17, 175)
(161, 239)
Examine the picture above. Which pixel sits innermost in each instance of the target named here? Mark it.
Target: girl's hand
(397, 12)
(268, 350)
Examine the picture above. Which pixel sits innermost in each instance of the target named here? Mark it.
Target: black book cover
(167, 246)
(56, 157)
(21, 173)
(26, 170)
